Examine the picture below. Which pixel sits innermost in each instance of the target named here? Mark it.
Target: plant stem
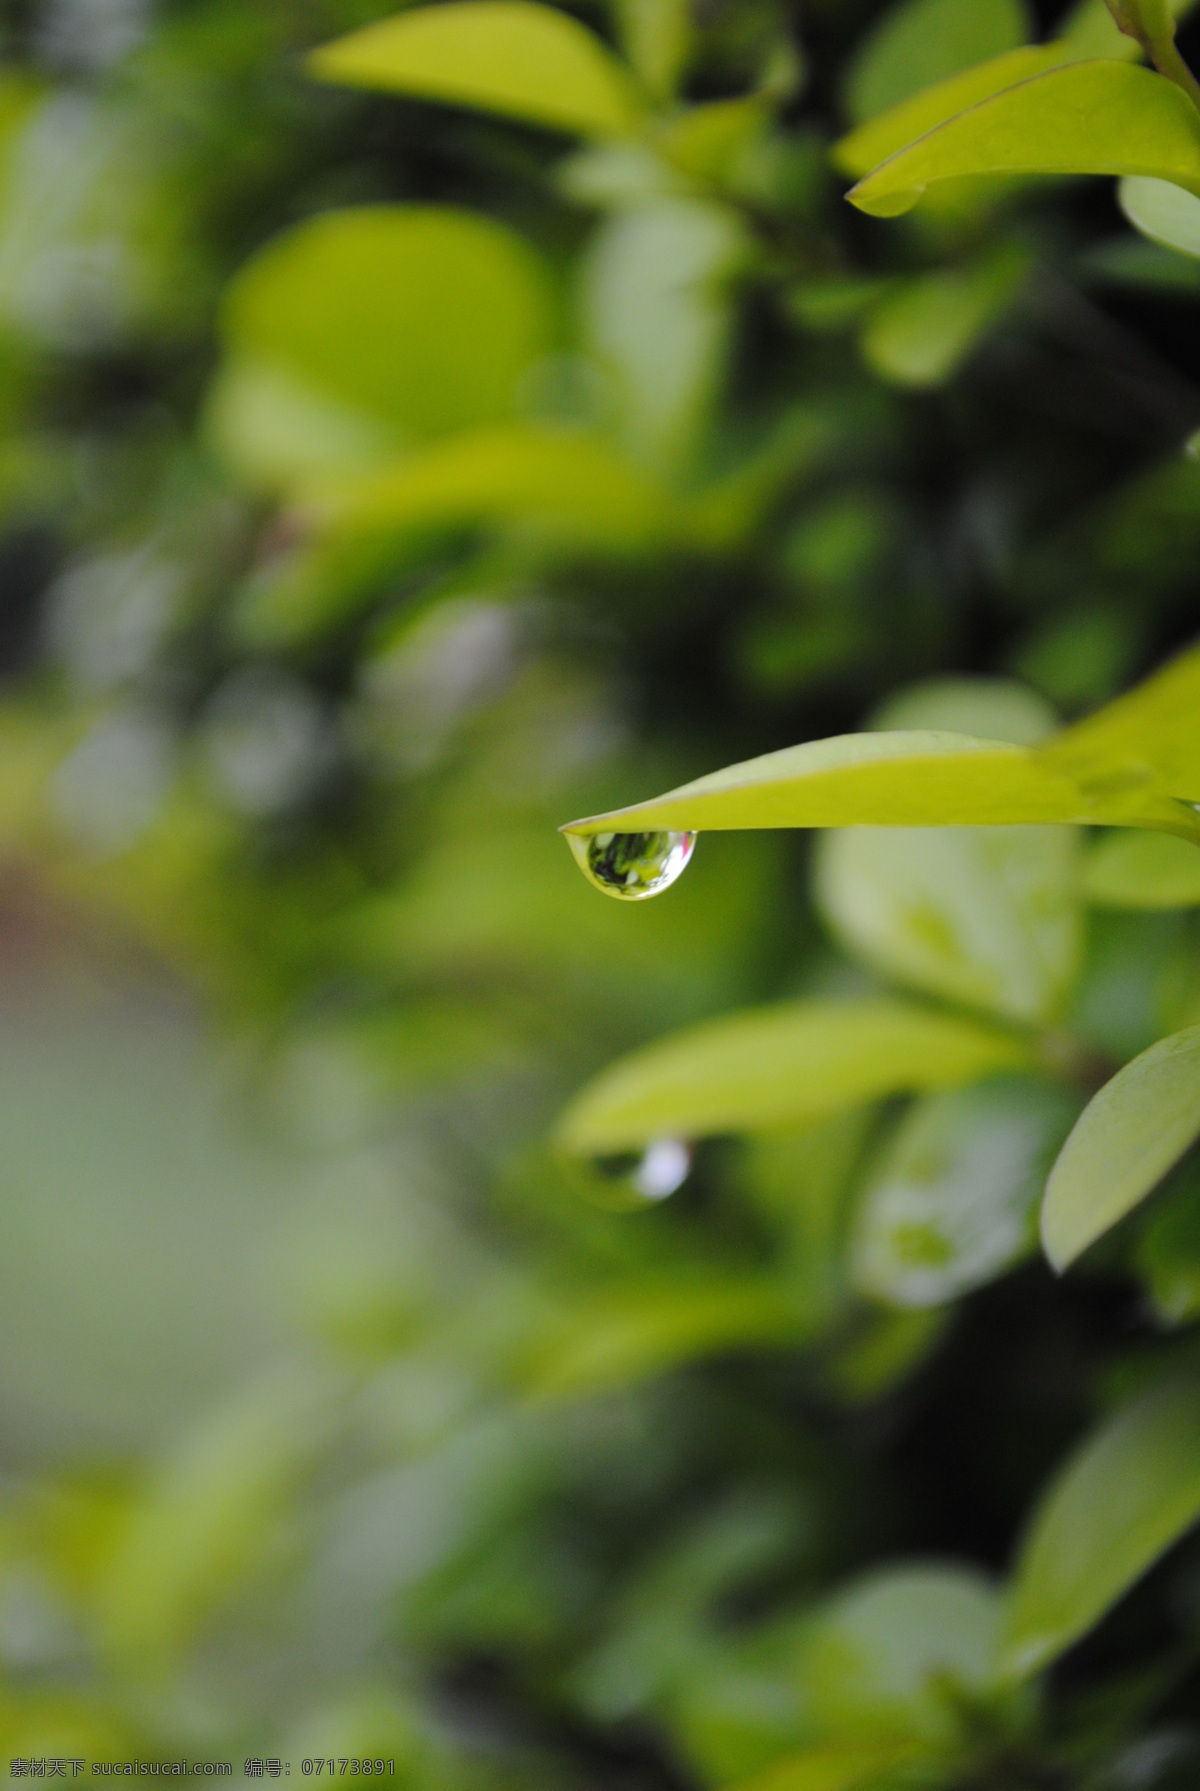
(1149, 23)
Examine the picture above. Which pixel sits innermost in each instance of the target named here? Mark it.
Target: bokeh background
(383, 483)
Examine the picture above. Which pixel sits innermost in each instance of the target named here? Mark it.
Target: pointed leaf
(873, 142)
(1130, 1492)
(1135, 762)
(1125, 1140)
(901, 778)
(1087, 118)
(1134, 869)
(509, 56)
(771, 1066)
(923, 41)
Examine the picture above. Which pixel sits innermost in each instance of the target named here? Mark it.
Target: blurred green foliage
(447, 1317)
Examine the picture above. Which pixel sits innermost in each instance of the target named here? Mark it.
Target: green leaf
(1134, 869)
(1126, 1139)
(921, 335)
(953, 1203)
(361, 332)
(1087, 118)
(873, 142)
(985, 916)
(923, 41)
(1163, 212)
(1130, 1492)
(509, 56)
(773, 1066)
(906, 778)
(1135, 762)
(656, 315)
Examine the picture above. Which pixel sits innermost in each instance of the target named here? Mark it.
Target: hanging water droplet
(663, 1169)
(632, 866)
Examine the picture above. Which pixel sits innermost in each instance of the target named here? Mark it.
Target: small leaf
(921, 335)
(1130, 1492)
(873, 142)
(923, 41)
(1126, 1139)
(1163, 212)
(1087, 118)
(1133, 869)
(509, 56)
(772, 1066)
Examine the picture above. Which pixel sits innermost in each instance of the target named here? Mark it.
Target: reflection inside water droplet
(632, 866)
(663, 1169)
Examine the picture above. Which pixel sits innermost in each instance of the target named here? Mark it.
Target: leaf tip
(887, 203)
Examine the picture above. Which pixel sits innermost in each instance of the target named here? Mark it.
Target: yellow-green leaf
(921, 42)
(1134, 763)
(772, 1066)
(1124, 1497)
(873, 142)
(509, 56)
(896, 778)
(1087, 118)
(1124, 1142)
(1133, 869)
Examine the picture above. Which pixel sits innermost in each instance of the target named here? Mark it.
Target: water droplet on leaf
(663, 1169)
(632, 866)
